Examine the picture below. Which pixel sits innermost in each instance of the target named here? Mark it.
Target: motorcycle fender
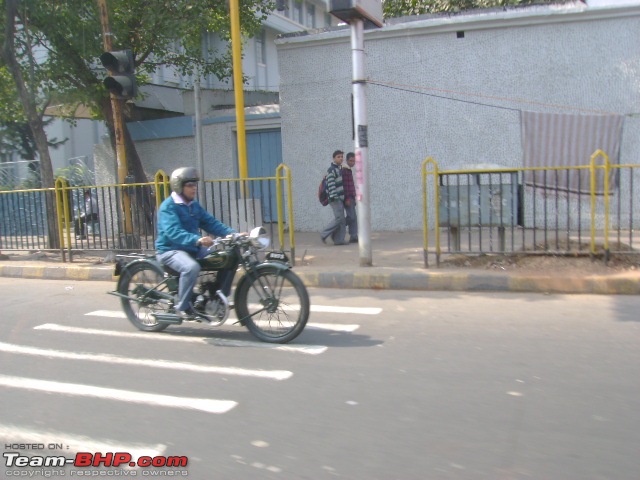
(123, 268)
(259, 268)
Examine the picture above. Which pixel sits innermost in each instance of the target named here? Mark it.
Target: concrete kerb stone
(386, 279)
(472, 282)
(56, 272)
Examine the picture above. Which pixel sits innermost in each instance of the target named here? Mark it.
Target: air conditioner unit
(368, 10)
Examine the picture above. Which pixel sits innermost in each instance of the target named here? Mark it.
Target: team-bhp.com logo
(87, 459)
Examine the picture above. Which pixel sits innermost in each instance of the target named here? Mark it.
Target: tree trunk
(36, 124)
(143, 201)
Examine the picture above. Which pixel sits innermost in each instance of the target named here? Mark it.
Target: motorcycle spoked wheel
(273, 305)
(140, 282)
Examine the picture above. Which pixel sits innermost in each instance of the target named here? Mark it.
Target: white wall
(586, 58)
(81, 139)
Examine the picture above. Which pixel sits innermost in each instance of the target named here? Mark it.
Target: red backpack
(323, 195)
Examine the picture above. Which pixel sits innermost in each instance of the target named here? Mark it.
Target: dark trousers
(82, 220)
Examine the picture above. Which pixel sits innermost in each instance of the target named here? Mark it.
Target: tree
(399, 8)
(52, 50)
(28, 99)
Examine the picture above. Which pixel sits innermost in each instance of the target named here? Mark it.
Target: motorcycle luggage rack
(133, 256)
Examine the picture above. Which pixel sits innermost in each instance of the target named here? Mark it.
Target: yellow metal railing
(593, 168)
(280, 200)
(432, 176)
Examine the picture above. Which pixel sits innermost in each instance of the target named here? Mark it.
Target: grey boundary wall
(456, 85)
(455, 89)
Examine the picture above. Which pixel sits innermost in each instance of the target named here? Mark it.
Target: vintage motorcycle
(269, 299)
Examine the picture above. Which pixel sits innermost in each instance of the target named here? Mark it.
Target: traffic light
(122, 80)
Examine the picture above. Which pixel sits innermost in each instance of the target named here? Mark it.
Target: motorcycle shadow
(237, 333)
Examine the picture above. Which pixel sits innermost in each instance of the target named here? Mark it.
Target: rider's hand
(205, 241)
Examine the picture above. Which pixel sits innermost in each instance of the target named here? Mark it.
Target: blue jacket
(179, 226)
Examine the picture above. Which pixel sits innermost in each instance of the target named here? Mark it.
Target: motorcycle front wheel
(273, 304)
(147, 294)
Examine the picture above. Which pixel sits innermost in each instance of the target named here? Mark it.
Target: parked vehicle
(269, 299)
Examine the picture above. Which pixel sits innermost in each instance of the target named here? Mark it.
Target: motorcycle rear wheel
(274, 305)
(140, 282)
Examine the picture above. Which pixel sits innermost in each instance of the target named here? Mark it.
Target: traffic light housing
(122, 80)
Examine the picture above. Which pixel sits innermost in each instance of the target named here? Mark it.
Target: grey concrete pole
(198, 130)
(361, 143)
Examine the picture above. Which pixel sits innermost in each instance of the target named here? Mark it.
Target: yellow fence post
(64, 216)
(425, 214)
(279, 201)
(592, 169)
(161, 181)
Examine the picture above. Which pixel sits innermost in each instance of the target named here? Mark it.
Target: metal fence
(556, 210)
(123, 217)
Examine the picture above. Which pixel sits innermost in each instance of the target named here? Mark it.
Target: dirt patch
(546, 264)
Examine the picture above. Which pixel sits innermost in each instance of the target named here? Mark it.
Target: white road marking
(329, 309)
(76, 443)
(307, 349)
(320, 326)
(347, 310)
(203, 404)
(332, 326)
(313, 308)
(107, 313)
(154, 363)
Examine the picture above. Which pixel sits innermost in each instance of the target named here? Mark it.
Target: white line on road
(203, 404)
(332, 326)
(307, 349)
(154, 363)
(313, 308)
(347, 310)
(320, 326)
(75, 443)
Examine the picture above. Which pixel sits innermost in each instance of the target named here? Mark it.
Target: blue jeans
(189, 269)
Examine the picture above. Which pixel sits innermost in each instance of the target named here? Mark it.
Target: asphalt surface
(398, 263)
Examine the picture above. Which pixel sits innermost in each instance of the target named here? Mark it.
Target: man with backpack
(335, 191)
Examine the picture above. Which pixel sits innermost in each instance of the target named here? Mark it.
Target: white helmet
(181, 176)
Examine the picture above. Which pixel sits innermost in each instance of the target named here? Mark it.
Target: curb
(473, 282)
(411, 280)
(57, 272)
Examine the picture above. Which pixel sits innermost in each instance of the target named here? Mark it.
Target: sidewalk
(397, 264)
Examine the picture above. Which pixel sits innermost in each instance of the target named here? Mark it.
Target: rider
(180, 242)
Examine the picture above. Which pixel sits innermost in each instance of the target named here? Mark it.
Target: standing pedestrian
(336, 229)
(350, 198)
(88, 215)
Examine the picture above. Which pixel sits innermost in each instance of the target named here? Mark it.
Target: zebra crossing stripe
(153, 363)
(318, 326)
(297, 348)
(202, 404)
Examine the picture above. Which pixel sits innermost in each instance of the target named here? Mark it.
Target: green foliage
(399, 8)
(76, 175)
(15, 134)
(59, 42)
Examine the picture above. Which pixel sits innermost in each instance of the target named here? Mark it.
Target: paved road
(384, 385)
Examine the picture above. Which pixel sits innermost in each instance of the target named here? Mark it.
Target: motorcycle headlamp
(259, 238)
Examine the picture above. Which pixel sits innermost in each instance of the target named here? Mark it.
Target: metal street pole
(202, 193)
(361, 142)
(118, 125)
(236, 50)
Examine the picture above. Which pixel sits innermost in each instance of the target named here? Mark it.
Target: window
(311, 16)
(261, 51)
(297, 11)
